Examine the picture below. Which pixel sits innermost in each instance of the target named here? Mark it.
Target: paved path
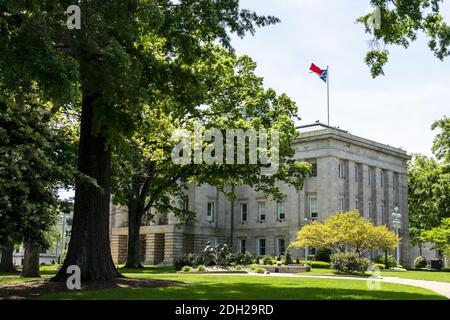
(442, 288)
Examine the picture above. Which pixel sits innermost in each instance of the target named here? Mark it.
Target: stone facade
(350, 173)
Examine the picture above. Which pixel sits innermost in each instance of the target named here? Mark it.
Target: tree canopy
(126, 54)
(33, 165)
(440, 236)
(399, 22)
(346, 231)
(429, 185)
(145, 176)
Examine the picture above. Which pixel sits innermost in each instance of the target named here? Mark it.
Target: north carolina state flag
(323, 74)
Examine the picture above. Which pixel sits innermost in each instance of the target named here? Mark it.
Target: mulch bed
(35, 289)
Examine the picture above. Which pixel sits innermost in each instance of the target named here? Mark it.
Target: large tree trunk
(31, 261)
(135, 214)
(89, 246)
(6, 264)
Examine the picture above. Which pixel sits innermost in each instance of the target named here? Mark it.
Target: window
(261, 247)
(211, 211)
(356, 173)
(341, 204)
(370, 210)
(244, 210)
(370, 176)
(314, 170)
(18, 250)
(243, 245)
(341, 170)
(281, 214)
(382, 212)
(393, 181)
(356, 204)
(382, 178)
(281, 247)
(262, 211)
(313, 213)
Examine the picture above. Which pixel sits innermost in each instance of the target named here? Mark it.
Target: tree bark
(6, 263)
(31, 261)
(89, 246)
(135, 213)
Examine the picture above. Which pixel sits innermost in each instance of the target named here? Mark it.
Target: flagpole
(328, 94)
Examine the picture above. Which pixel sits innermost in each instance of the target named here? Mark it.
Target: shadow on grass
(257, 291)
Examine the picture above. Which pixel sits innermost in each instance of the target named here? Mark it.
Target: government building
(349, 172)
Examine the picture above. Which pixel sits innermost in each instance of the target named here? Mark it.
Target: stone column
(119, 246)
(173, 247)
(405, 249)
(150, 243)
(377, 198)
(365, 191)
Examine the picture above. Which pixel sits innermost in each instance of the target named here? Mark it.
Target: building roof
(320, 131)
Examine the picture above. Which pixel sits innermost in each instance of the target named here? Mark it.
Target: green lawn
(416, 275)
(251, 287)
(200, 287)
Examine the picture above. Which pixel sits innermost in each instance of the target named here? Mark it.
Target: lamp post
(397, 223)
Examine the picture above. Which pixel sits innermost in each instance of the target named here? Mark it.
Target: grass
(212, 287)
(200, 287)
(411, 274)
(418, 275)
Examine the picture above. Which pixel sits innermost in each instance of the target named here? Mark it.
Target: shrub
(349, 263)
(186, 269)
(316, 264)
(267, 260)
(297, 261)
(238, 267)
(288, 258)
(242, 258)
(319, 264)
(420, 262)
(381, 266)
(391, 261)
(186, 260)
(260, 270)
(201, 268)
(323, 254)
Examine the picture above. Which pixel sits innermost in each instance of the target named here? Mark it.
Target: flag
(323, 74)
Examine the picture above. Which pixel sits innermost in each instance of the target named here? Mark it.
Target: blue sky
(397, 109)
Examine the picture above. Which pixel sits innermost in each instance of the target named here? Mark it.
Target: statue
(223, 255)
(209, 256)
